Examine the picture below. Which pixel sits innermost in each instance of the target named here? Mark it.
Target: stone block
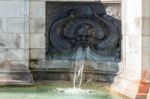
(10, 65)
(146, 44)
(18, 25)
(54, 64)
(145, 8)
(9, 8)
(146, 26)
(15, 73)
(146, 66)
(133, 43)
(10, 40)
(133, 61)
(37, 54)
(123, 43)
(16, 78)
(37, 25)
(123, 52)
(132, 21)
(103, 67)
(24, 8)
(146, 56)
(122, 63)
(37, 40)
(24, 43)
(14, 54)
(23, 63)
(133, 53)
(3, 25)
(14, 41)
(37, 9)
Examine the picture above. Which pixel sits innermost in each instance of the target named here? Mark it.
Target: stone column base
(126, 87)
(130, 88)
(148, 96)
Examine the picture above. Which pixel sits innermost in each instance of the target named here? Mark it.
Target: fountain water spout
(79, 66)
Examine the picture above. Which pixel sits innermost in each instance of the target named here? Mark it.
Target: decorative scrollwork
(71, 25)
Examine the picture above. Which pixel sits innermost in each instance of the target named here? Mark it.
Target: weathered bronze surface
(70, 25)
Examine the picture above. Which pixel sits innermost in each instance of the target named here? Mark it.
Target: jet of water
(81, 54)
(79, 66)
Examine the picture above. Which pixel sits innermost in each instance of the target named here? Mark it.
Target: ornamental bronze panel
(87, 25)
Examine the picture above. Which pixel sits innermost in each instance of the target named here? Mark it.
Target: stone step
(47, 75)
(16, 78)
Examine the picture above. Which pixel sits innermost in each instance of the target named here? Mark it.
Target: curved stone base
(148, 96)
(131, 88)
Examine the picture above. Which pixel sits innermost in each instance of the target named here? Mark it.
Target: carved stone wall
(22, 41)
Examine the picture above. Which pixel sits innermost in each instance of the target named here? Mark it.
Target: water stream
(81, 54)
(79, 66)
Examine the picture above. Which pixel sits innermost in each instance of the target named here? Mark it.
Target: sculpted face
(85, 25)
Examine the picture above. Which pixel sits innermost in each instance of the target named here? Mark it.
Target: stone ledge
(102, 1)
(16, 78)
(4, 82)
(67, 75)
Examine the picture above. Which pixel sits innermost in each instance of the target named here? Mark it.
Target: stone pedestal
(133, 80)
